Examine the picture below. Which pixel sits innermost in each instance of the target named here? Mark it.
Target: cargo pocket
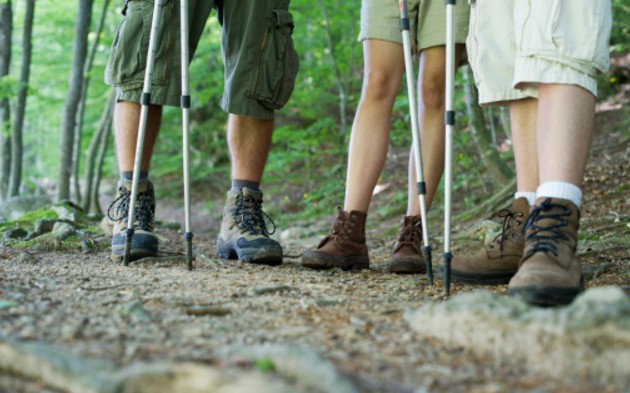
(128, 57)
(277, 63)
(576, 29)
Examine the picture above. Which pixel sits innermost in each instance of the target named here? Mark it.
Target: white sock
(530, 196)
(562, 190)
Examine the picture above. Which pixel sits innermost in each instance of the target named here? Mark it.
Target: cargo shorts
(514, 45)
(380, 19)
(260, 61)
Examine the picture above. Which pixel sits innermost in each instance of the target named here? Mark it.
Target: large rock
(590, 338)
(56, 369)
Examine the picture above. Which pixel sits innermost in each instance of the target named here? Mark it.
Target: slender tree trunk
(68, 122)
(104, 126)
(504, 117)
(343, 95)
(96, 180)
(488, 152)
(16, 136)
(81, 111)
(6, 30)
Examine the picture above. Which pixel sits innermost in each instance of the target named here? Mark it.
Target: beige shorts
(514, 45)
(380, 19)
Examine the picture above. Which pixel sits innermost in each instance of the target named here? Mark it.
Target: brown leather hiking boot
(549, 273)
(407, 257)
(344, 247)
(496, 263)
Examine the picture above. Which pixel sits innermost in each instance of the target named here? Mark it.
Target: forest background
(56, 113)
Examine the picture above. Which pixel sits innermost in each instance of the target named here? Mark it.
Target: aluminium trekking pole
(142, 126)
(185, 104)
(417, 151)
(449, 122)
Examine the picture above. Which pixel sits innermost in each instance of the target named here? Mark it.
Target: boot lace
(118, 210)
(340, 231)
(411, 235)
(546, 237)
(249, 216)
(510, 221)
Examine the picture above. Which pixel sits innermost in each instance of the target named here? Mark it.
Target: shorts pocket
(276, 64)
(577, 30)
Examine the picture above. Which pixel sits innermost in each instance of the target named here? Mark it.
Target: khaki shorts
(380, 19)
(514, 45)
(258, 53)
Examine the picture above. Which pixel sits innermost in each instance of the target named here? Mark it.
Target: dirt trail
(158, 311)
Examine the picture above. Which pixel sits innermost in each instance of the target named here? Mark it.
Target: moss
(29, 219)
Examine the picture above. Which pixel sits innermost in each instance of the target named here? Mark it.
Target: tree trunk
(343, 95)
(16, 136)
(104, 125)
(102, 152)
(6, 30)
(68, 122)
(81, 111)
(488, 152)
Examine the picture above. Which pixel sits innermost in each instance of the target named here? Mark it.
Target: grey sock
(240, 184)
(129, 176)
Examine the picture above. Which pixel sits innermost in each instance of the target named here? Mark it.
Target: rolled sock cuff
(530, 196)
(562, 190)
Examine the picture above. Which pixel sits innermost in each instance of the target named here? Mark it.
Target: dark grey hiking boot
(144, 243)
(244, 234)
(344, 247)
(549, 273)
(407, 255)
(496, 263)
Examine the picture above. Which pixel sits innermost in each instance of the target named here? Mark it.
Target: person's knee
(380, 85)
(432, 95)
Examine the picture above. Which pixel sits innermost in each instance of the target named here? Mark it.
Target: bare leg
(249, 140)
(431, 85)
(126, 120)
(566, 115)
(523, 121)
(370, 131)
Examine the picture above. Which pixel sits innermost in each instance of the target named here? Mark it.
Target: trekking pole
(185, 104)
(142, 126)
(449, 122)
(417, 151)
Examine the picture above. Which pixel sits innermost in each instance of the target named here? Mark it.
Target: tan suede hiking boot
(496, 263)
(144, 243)
(407, 255)
(344, 247)
(549, 273)
(244, 234)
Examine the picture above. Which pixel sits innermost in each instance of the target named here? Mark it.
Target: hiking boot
(344, 247)
(244, 233)
(144, 243)
(407, 257)
(497, 262)
(549, 273)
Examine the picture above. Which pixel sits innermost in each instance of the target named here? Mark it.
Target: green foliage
(265, 365)
(307, 164)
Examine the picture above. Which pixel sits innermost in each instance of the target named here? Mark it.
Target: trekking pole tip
(447, 272)
(189, 254)
(426, 251)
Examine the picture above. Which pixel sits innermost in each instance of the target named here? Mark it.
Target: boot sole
(407, 266)
(544, 296)
(260, 256)
(321, 261)
(497, 278)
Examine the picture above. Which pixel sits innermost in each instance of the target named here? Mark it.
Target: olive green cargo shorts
(258, 53)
